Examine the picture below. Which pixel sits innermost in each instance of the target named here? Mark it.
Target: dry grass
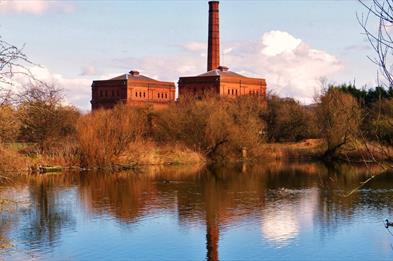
(304, 150)
(149, 153)
(12, 162)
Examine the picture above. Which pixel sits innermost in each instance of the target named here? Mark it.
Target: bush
(214, 126)
(105, 134)
(339, 117)
(44, 120)
(9, 124)
(287, 120)
(380, 121)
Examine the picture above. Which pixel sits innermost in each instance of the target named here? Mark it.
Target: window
(144, 94)
(136, 94)
(158, 95)
(113, 93)
(106, 93)
(166, 96)
(117, 93)
(229, 92)
(236, 92)
(232, 91)
(162, 96)
(101, 93)
(140, 94)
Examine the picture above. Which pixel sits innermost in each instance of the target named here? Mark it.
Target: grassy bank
(21, 158)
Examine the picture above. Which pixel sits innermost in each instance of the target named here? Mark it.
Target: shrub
(214, 126)
(339, 117)
(9, 124)
(287, 120)
(44, 120)
(105, 134)
(380, 121)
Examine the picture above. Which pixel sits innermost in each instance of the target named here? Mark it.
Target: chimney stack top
(223, 68)
(134, 73)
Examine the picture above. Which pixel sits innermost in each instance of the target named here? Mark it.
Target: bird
(388, 224)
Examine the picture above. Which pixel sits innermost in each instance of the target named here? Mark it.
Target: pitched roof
(218, 72)
(130, 76)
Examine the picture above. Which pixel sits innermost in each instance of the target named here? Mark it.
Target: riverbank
(20, 158)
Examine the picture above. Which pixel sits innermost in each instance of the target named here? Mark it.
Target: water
(271, 212)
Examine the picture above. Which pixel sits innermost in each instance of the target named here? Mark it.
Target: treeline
(217, 128)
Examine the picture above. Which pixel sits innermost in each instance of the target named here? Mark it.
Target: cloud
(88, 70)
(291, 67)
(35, 7)
(76, 90)
(195, 46)
(277, 42)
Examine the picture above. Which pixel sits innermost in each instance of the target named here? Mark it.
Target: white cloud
(88, 70)
(195, 46)
(291, 67)
(76, 90)
(291, 70)
(36, 7)
(277, 42)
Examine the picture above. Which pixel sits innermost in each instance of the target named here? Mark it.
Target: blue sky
(76, 42)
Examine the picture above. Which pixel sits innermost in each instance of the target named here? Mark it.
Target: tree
(381, 39)
(9, 123)
(339, 117)
(287, 120)
(44, 119)
(12, 61)
(215, 126)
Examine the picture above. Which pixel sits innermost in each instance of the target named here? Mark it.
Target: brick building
(132, 89)
(218, 79)
(223, 82)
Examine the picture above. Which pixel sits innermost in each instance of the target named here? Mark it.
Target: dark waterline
(275, 212)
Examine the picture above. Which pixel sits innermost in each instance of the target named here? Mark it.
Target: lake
(298, 211)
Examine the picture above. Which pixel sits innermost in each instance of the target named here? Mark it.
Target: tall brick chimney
(213, 56)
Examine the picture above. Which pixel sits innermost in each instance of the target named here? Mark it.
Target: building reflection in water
(284, 200)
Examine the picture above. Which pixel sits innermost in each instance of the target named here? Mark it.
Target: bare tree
(380, 36)
(12, 61)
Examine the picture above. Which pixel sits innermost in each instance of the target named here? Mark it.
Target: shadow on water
(285, 199)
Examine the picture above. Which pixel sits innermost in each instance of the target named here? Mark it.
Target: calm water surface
(276, 212)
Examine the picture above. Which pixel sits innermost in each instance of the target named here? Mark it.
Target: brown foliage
(105, 134)
(9, 123)
(11, 161)
(339, 117)
(379, 125)
(44, 120)
(214, 126)
(287, 120)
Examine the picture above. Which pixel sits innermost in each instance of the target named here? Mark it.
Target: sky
(293, 44)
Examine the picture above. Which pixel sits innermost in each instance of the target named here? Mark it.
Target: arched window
(162, 96)
(158, 95)
(144, 94)
(166, 96)
(232, 91)
(229, 91)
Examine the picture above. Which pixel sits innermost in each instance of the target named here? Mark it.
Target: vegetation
(288, 120)
(192, 130)
(339, 117)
